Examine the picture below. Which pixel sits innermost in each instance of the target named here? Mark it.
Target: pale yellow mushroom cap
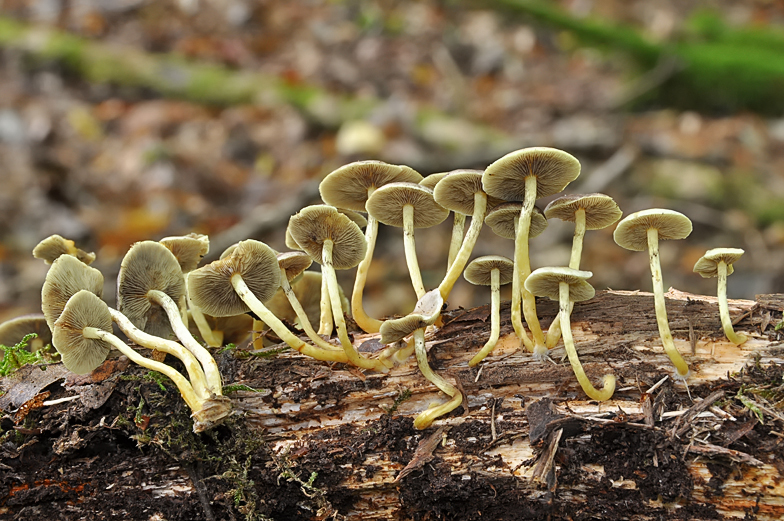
(188, 249)
(632, 232)
(79, 354)
(553, 169)
(708, 265)
(387, 203)
(67, 276)
(347, 187)
(480, 269)
(546, 282)
(600, 210)
(501, 220)
(314, 225)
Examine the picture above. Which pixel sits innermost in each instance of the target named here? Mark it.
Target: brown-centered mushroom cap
(79, 354)
(188, 249)
(347, 187)
(313, 225)
(456, 191)
(386, 205)
(501, 220)
(545, 282)
(553, 168)
(632, 232)
(479, 270)
(67, 276)
(294, 263)
(14, 330)
(600, 210)
(210, 286)
(426, 312)
(53, 246)
(148, 265)
(708, 265)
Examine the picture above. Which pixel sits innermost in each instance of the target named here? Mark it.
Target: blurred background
(125, 120)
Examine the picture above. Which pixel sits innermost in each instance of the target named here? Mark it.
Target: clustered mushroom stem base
(458, 227)
(477, 220)
(724, 312)
(302, 315)
(564, 310)
(325, 322)
(409, 245)
(425, 419)
(523, 265)
(368, 324)
(661, 308)
(495, 318)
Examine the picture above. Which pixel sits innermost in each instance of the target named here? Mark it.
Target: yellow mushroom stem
(325, 323)
(554, 331)
(661, 309)
(495, 318)
(458, 228)
(724, 312)
(477, 220)
(280, 329)
(564, 310)
(409, 246)
(368, 324)
(522, 270)
(302, 315)
(425, 419)
(213, 338)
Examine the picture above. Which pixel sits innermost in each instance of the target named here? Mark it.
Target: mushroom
(242, 282)
(149, 285)
(493, 271)
(718, 262)
(53, 246)
(336, 242)
(82, 335)
(503, 220)
(568, 285)
(307, 290)
(525, 175)
(645, 229)
(15, 329)
(458, 221)
(426, 312)
(587, 212)
(407, 206)
(349, 187)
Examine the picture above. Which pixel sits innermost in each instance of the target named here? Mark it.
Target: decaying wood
(528, 445)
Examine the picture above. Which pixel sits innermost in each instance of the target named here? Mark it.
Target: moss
(17, 355)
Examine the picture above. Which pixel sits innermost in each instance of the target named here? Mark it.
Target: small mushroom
(349, 187)
(503, 220)
(643, 230)
(407, 206)
(458, 221)
(493, 271)
(53, 246)
(525, 175)
(67, 276)
(567, 285)
(14, 330)
(718, 262)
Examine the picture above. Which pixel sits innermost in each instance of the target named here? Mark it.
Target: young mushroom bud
(493, 271)
(718, 262)
(53, 246)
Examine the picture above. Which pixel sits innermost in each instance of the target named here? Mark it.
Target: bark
(528, 446)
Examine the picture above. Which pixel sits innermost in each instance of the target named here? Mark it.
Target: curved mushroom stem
(724, 312)
(554, 331)
(195, 372)
(564, 309)
(302, 315)
(477, 220)
(409, 246)
(458, 227)
(325, 323)
(337, 313)
(523, 265)
(214, 382)
(426, 418)
(213, 338)
(368, 324)
(495, 318)
(279, 327)
(661, 309)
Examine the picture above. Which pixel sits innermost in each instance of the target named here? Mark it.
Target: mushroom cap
(456, 190)
(708, 264)
(430, 181)
(632, 232)
(294, 263)
(553, 168)
(545, 282)
(14, 330)
(210, 286)
(357, 217)
(347, 187)
(147, 266)
(67, 276)
(479, 270)
(55, 245)
(313, 225)
(426, 312)
(501, 220)
(79, 354)
(600, 210)
(228, 251)
(290, 242)
(386, 205)
(188, 249)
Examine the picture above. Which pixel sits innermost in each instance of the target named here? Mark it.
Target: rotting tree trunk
(528, 447)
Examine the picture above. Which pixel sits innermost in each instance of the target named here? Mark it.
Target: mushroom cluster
(161, 288)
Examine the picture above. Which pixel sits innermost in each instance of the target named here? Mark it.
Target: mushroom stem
(328, 272)
(301, 314)
(206, 360)
(279, 327)
(368, 324)
(554, 331)
(458, 227)
(325, 323)
(495, 318)
(564, 308)
(213, 338)
(426, 418)
(410, 248)
(477, 220)
(523, 265)
(724, 312)
(661, 309)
